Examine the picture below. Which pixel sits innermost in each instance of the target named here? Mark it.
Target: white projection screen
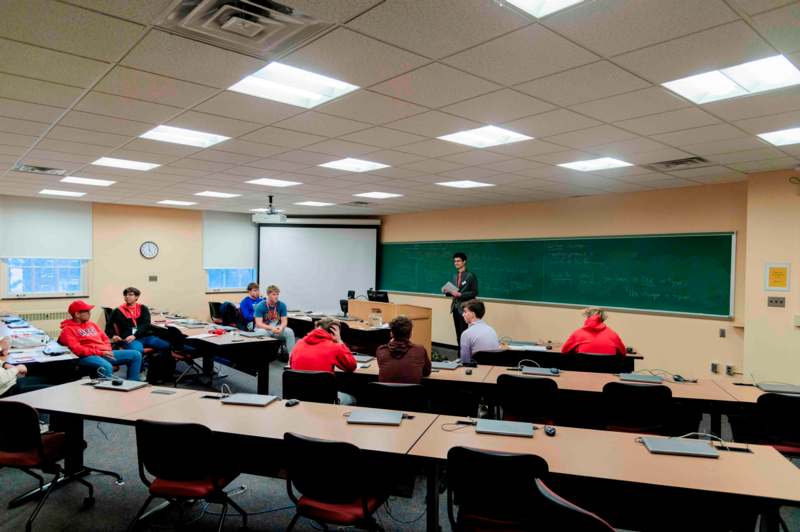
(316, 266)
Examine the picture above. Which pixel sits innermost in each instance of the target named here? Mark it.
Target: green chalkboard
(688, 273)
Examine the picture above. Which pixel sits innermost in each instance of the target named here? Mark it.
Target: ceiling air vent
(39, 170)
(679, 164)
(357, 204)
(260, 28)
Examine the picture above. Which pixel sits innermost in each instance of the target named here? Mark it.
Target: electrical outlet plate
(715, 367)
(722, 333)
(774, 301)
(730, 370)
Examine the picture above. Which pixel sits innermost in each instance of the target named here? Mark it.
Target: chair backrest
(109, 326)
(214, 309)
(327, 471)
(176, 451)
(496, 358)
(777, 414)
(636, 407)
(527, 398)
(230, 315)
(314, 386)
(493, 485)
(398, 396)
(595, 363)
(21, 432)
(560, 514)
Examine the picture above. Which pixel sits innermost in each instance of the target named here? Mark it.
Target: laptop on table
(447, 364)
(639, 377)
(375, 417)
(680, 446)
(122, 386)
(248, 399)
(504, 428)
(778, 388)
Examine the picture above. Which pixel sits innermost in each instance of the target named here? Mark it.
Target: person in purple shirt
(479, 336)
(247, 307)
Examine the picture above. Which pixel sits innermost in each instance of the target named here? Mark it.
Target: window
(227, 279)
(45, 277)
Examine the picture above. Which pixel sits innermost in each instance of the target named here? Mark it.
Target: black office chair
(336, 483)
(180, 353)
(109, 330)
(398, 396)
(313, 386)
(774, 425)
(214, 311)
(564, 515)
(496, 358)
(594, 363)
(531, 399)
(634, 407)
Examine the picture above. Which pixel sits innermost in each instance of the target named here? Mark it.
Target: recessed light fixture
(212, 194)
(603, 163)
(176, 202)
(484, 137)
(748, 78)
(124, 163)
(378, 195)
(267, 182)
(464, 184)
(188, 137)
(782, 137)
(65, 193)
(542, 8)
(354, 165)
(295, 86)
(315, 204)
(264, 209)
(76, 180)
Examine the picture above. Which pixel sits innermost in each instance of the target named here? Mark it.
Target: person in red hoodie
(322, 350)
(594, 337)
(87, 340)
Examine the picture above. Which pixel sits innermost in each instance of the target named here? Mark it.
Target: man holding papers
(462, 287)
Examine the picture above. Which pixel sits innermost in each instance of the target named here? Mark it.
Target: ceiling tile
(35, 91)
(170, 55)
(147, 157)
(632, 104)
(435, 85)
(725, 146)
(308, 158)
(611, 27)
(104, 124)
(13, 139)
(524, 54)
(321, 124)
(392, 158)
(592, 136)
(383, 137)
(512, 165)
(213, 124)
(669, 121)
(763, 124)
(219, 156)
(558, 158)
(773, 102)
(475, 157)
(282, 137)
(35, 62)
(141, 12)
(764, 166)
(432, 148)
(249, 148)
(433, 124)
(68, 29)
(162, 148)
(397, 173)
(371, 107)
(29, 111)
(72, 147)
(470, 172)
(550, 123)
(700, 134)
(196, 164)
(527, 148)
(497, 107)
(720, 47)
(706, 171)
(57, 159)
(781, 27)
(22, 127)
(422, 27)
(759, 154)
(656, 156)
(357, 59)
(245, 107)
(433, 166)
(339, 12)
(751, 7)
(624, 149)
(342, 148)
(119, 107)
(140, 85)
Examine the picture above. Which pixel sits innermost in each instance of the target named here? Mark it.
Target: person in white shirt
(479, 336)
(13, 377)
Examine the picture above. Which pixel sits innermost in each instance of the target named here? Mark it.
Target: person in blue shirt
(247, 307)
(271, 316)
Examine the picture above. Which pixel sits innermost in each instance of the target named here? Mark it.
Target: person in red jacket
(594, 337)
(322, 350)
(87, 340)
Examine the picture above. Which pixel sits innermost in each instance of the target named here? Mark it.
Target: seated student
(479, 336)
(247, 307)
(87, 340)
(271, 316)
(322, 350)
(594, 337)
(400, 360)
(14, 379)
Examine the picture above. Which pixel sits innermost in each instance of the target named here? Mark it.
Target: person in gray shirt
(479, 336)
(466, 284)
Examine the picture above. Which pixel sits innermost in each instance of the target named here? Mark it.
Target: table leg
(262, 378)
(432, 496)
(715, 426)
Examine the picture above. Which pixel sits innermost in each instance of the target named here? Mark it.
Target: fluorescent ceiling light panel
(484, 137)
(315, 204)
(212, 194)
(604, 163)
(65, 193)
(123, 163)
(267, 182)
(782, 137)
(542, 8)
(76, 180)
(176, 202)
(464, 184)
(291, 85)
(264, 209)
(748, 78)
(378, 195)
(354, 165)
(188, 137)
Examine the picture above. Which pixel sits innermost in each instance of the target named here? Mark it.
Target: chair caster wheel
(88, 502)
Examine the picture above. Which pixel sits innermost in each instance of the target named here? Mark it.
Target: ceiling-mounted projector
(271, 215)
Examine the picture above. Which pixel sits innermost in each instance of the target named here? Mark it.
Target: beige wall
(678, 344)
(772, 346)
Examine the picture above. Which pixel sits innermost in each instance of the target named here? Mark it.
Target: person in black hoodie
(131, 329)
(400, 360)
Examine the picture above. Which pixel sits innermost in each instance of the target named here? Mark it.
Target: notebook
(363, 359)
(448, 364)
(778, 388)
(123, 386)
(680, 446)
(638, 377)
(375, 417)
(504, 428)
(548, 372)
(248, 399)
(254, 334)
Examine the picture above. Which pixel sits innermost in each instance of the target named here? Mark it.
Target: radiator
(48, 321)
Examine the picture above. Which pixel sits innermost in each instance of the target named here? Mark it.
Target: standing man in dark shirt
(466, 284)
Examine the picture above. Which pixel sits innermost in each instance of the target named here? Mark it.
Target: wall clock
(148, 250)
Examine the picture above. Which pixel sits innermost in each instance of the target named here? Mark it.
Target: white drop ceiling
(81, 79)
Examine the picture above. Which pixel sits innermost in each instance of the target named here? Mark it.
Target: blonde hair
(594, 311)
(273, 288)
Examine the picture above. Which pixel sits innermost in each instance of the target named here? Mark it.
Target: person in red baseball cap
(87, 340)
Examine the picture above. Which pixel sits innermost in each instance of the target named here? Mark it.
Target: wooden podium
(421, 316)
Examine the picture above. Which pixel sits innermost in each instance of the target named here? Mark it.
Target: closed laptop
(248, 399)
(548, 372)
(638, 377)
(448, 364)
(680, 446)
(779, 388)
(362, 359)
(504, 428)
(122, 386)
(375, 417)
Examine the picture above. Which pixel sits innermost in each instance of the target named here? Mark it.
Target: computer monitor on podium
(378, 295)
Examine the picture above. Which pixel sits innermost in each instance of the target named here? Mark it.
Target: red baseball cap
(78, 306)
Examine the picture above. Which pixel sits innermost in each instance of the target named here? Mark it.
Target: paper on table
(449, 287)
(201, 336)
(528, 347)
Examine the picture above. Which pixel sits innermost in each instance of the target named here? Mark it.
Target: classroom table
(356, 334)
(511, 355)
